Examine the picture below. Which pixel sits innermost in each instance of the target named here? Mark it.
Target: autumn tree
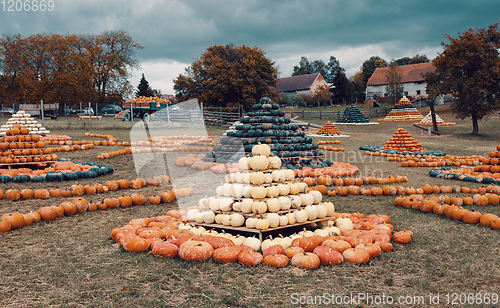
(469, 68)
(394, 86)
(143, 88)
(322, 95)
(228, 75)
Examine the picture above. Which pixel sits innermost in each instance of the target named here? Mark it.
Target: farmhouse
(303, 84)
(411, 77)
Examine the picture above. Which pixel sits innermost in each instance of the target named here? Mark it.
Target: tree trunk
(475, 127)
(433, 116)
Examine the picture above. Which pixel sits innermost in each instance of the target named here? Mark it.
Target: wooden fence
(223, 116)
(328, 115)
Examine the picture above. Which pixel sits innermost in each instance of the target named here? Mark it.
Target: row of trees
(66, 68)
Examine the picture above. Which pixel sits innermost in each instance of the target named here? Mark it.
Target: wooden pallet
(261, 232)
(426, 129)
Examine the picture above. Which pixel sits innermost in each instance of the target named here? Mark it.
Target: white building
(411, 77)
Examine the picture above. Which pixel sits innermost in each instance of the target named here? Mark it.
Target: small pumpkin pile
(353, 115)
(324, 145)
(353, 238)
(328, 129)
(427, 120)
(452, 207)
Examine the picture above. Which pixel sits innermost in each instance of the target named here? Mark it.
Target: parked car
(70, 110)
(7, 111)
(111, 109)
(88, 111)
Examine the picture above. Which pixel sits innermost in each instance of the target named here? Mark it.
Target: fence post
(303, 115)
(320, 115)
(220, 116)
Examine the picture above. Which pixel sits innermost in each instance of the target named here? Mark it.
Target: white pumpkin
(247, 191)
(239, 177)
(274, 220)
(237, 190)
(330, 208)
(237, 220)
(322, 210)
(208, 217)
(213, 203)
(283, 220)
(219, 190)
(302, 187)
(262, 224)
(269, 178)
(284, 241)
(284, 189)
(246, 205)
(246, 178)
(203, 203)
(250, 223)
(332, 230)
(273, 192)
(294, 188)
(259, 162)
(238, 240)
(226, 204)
(252, 242)
(344, 224)
(312, 212)
(230, 178)
(191, 214)
(305, 233)
(278, 176)
(273, 205)
(307, 199)
(267, 243)
(261, 149)
(286, 203)
(301, 216)
(226, 220)
(259, 207)
(274, 162)
(289, 175)
(227, 190)
(218, 218)
(321, 232)
(243, 163)
(317, 196)
(237, 206)
(296, 201)
(257, 178)
(259, 192)
(291, 218)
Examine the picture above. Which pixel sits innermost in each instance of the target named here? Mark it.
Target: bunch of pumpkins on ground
(454, 207)
(403, 111)
(16, 220)
(324, 145)
(58, 171)
(14, 194)
(353, 238)
(261, 196)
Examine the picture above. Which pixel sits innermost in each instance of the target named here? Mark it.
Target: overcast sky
(176, 33)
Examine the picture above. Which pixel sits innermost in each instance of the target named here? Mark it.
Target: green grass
(72, 262)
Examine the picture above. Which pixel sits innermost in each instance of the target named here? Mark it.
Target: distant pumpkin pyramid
(403, 141)
(403, 111)
(427, 120)
(353, 115)
(329, 129)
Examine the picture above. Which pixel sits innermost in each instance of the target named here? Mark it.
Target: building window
(418, 92)
(406, 93)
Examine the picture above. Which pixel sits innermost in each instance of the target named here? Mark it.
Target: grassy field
(72, 261)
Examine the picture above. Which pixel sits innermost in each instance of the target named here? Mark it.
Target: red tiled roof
(409, 73)
(297, 83)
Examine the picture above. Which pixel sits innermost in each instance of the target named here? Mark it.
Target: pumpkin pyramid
(427, 120)
(266, 124)
(353, 115)
(403, 141)
(26, 121)
(403, 111)
(261, 196)
(328, 129)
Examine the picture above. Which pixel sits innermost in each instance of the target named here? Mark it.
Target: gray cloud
(174, 30)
